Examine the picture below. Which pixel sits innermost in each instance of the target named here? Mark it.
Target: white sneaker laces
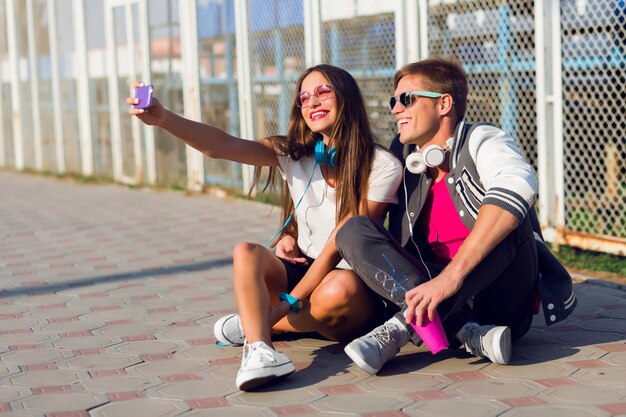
(264, 354)
(383, 337)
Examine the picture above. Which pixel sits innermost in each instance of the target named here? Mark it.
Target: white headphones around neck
(432, 156)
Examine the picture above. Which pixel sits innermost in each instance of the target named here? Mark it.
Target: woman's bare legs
(259, 276)
(338, 308)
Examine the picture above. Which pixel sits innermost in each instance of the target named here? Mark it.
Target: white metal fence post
(245, 84)
(56, 87)
(145, 72)
(85, 112)
(557, 115)
(111, 62)
(549, 116)
(2, 137)
(409, 33)
(191, 88)
(3, 158)
(135, 127)
(312, 32)
(401, 35)
(34, 86)
(16, 91)
(544, 91)
(422, 28)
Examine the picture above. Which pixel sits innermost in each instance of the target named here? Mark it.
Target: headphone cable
(294, 209)
(406, 205)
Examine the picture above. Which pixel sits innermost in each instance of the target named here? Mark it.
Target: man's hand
(492, 225)
(425, 298)
(287, 249)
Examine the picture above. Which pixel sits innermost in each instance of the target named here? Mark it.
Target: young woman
(333, 170)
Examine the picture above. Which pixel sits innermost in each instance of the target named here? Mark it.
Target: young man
(461, 240)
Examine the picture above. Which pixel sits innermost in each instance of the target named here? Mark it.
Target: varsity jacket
(504, 178)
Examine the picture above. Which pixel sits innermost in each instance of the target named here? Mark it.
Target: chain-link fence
(66, 45)
(495, 42)
(594, 84)
(217, 55)
(549, 72)
(165, 58)
(365, 46)
(98, 92)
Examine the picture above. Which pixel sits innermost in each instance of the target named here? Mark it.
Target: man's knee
(352, 232)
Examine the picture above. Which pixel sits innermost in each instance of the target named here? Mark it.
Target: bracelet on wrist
(295, 304)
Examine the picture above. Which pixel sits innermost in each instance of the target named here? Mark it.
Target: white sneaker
(228, 330)
(489, 342)
(372, 351)
(261, 364)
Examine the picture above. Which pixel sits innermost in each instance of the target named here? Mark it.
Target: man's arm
(509, 180)
(511, 186)
(492, 225)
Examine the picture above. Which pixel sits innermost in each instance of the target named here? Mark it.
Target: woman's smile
(318, 114)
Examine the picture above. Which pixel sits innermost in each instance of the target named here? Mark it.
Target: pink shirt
(441, 223)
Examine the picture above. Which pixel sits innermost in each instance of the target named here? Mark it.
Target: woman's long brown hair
(352, 138)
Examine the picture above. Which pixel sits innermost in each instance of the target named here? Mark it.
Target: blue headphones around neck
(321, 155)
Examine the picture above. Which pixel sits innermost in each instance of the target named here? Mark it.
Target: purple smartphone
(144, 94)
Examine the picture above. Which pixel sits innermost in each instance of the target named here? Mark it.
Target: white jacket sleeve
(509, 180)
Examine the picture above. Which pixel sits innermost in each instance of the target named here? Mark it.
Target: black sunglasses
(407, 99)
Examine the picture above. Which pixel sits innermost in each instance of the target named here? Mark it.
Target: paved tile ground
(108, 296)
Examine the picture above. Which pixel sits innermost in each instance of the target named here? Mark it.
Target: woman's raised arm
(211, 141)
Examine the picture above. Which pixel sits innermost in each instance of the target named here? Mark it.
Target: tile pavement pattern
(108, 297)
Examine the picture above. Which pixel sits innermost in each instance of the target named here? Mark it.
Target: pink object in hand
(432, 333)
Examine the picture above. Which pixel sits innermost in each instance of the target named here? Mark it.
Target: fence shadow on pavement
(123, 276)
